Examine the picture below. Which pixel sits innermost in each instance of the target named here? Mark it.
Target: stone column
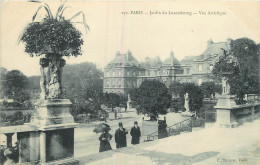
(43, 147)
(9, 139)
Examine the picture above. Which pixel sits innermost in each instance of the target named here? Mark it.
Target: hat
(120, 124)
(135, 122)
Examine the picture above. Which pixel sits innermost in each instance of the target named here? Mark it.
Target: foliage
(83, 85)
(13, 106)
(111, 100)
(175, 89)
(123, 100)
(177, 104)
(210, 88)
(12, 83)
(22, 96)
(16, 118)
(195, 95)
(153, 98)
(54, 35)
(242, 61)
(134, 95)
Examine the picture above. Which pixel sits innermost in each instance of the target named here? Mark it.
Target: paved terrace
(225, 146)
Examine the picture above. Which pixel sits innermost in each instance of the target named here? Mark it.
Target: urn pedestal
(53, 142)
(225, 106)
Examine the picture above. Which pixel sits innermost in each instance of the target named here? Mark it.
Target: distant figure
(104, 139)
(120, 136)
(186, 104)
(135, 133)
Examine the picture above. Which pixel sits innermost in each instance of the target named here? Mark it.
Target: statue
(128, 105)
(225, 86)
(187, 112)
(50, 82)
(129, 99)
(186, 104)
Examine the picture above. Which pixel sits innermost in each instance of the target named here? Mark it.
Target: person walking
(120, 136)
(104, 139)
(135, 133)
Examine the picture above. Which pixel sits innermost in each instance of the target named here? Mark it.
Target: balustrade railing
(186, 125)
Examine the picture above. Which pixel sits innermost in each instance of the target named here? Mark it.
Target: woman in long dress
(104, 139)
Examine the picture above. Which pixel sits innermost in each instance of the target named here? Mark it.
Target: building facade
(124, 72)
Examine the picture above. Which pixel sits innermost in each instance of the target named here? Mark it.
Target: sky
(144, 35)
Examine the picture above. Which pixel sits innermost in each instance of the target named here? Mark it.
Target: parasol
(101, 127)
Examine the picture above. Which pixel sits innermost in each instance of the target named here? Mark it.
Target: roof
(171, 60)
(156, 62)
(212, 50)
(126, 59)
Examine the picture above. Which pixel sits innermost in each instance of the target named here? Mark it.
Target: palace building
(124, 72)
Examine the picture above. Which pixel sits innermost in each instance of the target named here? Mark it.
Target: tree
(53, 37)
(210, 88)
(3, 73)
(175, 89)
(13, 83)
(83, 85)
(22, 96)
(111, 100)
(242, 61)
(152, 98)
(123, 100)
(195, 95)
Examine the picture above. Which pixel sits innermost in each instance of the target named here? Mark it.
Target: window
(128, 73)
(113, 83)
(133, 73)
(113, 73)
(120, 73)
(188, 71)
(107, 83)
(140, 73)
(200, 67)
(119, 83)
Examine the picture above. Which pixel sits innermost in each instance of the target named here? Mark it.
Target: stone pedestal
(52, 112)
(187, 114)
(224, 107)
(226, 101)
(225, 118)
(53, 142)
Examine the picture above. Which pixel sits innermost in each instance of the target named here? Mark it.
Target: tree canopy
(242, 61)
(210, 88)
(12, 83)
(111, 100)
(195, 94)
(83, 85)
(152, 98)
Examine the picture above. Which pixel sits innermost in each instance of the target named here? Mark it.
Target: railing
(183, 126)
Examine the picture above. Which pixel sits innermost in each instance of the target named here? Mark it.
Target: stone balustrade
(232, 116)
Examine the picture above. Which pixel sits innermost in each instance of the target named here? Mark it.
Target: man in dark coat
(120, 136)
(135, 133)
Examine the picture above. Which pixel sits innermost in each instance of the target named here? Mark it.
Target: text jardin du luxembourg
(189, 13)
